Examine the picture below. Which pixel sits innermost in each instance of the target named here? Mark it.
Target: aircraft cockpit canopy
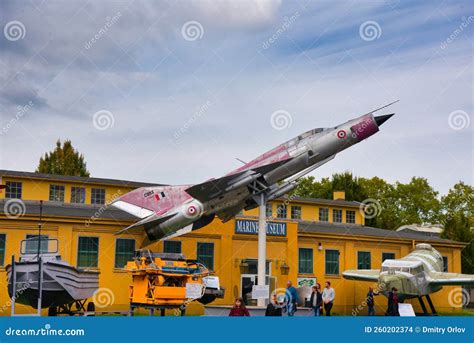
(403, 266)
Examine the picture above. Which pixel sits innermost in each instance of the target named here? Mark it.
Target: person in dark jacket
(370, 302)
(392, 309)
(273, 308)
(239, 309)
(316, 300)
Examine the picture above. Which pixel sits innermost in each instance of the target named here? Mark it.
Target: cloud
(76, 60)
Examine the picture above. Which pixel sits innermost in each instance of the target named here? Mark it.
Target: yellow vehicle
(169, 281)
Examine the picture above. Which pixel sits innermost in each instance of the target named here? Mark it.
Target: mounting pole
(40, 261)
(262, 241)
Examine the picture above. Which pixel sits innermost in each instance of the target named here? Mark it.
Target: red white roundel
(341, 134)
(191, 210)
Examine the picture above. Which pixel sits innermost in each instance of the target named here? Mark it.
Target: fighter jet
(171, 211)
(418, 274)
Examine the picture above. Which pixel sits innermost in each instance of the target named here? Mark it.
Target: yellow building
(309, 240)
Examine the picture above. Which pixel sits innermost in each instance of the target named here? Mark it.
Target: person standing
(392, 309)
(239, 309)
(370, 302)
(273, 308)
(316, 300)
(328, 298)
(291, 299)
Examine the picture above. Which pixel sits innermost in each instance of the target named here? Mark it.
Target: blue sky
(184, 106)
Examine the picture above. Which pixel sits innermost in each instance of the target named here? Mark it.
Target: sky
(174, 91)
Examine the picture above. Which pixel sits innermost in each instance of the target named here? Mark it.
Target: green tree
(63, 160)
(383, 193)
(458, 218)
(417, 202)
(324, 189)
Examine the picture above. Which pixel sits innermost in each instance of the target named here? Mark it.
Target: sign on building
(250, 227)
(260, 292)
(306, 281)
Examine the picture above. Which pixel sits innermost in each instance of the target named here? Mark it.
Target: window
(445, 264)
(305, 261)
(56, 193)
(323, 214)
(252, 266)
(31, 244)
(388, 256)
(172, 247)
(205, 254)
(332, 262)
(295, 212)
(78, 195)
(337, 216)
(363, 260)
(269, 210)
(3, 239)
(281, 211)
(13, 190)
(98, 196)
(350, 217)
(124, 250)
(88, 252)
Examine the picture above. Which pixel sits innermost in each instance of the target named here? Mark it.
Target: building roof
(428, 228)
(358, 230)
(78, 179)
(59, 209)
(338, 202)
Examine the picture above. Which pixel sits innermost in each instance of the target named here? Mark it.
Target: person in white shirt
(328, 298)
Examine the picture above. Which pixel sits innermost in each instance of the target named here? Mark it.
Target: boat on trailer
(65, 289)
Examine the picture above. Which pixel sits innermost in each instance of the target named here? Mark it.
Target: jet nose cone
(379, 120)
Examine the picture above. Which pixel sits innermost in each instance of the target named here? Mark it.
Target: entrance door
(248, 280)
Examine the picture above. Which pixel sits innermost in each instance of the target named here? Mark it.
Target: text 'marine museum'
(308, 239)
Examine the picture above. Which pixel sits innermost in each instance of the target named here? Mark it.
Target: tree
(417, 202)
(383, 194)
(63, 160)
(324, 189)
(457, 216)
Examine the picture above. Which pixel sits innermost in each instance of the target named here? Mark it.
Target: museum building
(308, 240)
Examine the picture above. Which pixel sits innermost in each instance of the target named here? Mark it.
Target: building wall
(230, 249)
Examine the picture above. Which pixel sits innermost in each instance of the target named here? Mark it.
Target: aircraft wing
(362, 274)
(445, 279)
(148, 221)
(213, 188)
